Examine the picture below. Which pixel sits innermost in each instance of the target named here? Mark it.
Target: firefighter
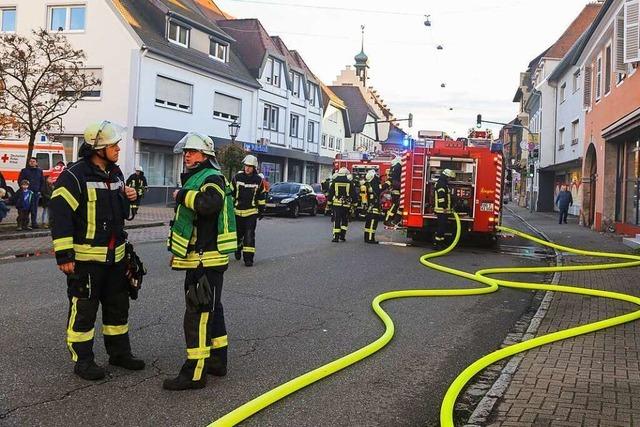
(250, 200)
(342, 195)
(202, 235)
(442, 206)
(393, 185)
(88, 209)
(373, 207)
(138, 182)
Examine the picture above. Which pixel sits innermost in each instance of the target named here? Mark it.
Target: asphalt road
(304, 303)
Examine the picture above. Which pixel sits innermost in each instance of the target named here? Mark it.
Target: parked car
(291, 198)
(320, 198)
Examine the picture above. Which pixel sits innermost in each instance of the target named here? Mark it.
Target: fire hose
(490, 285)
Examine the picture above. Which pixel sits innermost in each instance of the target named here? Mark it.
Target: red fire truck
(476, 190)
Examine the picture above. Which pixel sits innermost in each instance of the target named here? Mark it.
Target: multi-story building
(362, 120)
(335, 128)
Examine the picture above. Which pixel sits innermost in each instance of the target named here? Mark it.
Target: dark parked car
(320, 197)
(291, 198)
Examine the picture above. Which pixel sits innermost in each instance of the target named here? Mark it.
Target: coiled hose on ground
(490, 285)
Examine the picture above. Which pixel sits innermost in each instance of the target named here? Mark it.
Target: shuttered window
(598, 77)
(607, 70)
(226, 107)
(587, 87)
(173, 94)
(93, 92)
(620, 66)
(631, 31)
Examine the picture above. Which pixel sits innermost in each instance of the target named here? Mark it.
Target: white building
(336, 129)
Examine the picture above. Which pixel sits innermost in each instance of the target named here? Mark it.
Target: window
(218, 50)
(576, 81)
(173, 94)
(324, 140)
(43, 161)
(311, 132)
(8, 20)
(270, 117)
(296, 84)
(94, 92)
(273, 71)
(563, 87)
(574, 132)
(607, 70)
(178, 34)
(67, 18)
(56, 158)
(313, 94)
(561, 139)
(226, 107)
(332, 141)
(294, 125)
(598, 78)
(339, 144)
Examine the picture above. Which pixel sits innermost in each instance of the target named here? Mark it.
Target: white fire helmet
(102, 134)
(370, 175)
(343, 171)
(396, 161)
(195, 141)
(138, 169)
(449, 173)
(250, 160)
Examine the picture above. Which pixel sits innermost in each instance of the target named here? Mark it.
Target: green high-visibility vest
(183, 222)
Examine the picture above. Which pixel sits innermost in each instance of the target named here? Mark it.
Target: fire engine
(13, 157)
(476, 190)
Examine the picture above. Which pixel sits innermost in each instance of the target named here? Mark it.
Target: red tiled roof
(579, 25)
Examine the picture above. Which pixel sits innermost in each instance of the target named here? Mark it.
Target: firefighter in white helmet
(202, 236)
(137, 181)
(250, 200)
(88, 208)
(442, 206)
(342, 195)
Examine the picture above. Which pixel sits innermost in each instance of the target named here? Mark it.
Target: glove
(199, 295)
(134, 270)
(79, 285)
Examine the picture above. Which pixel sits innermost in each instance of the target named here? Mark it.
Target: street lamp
(234, 128)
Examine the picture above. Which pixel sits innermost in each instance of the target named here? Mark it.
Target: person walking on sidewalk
(564, 199)
(35, 176)
(202, 235)
(23, 199)
(88, 208)
(250, 201)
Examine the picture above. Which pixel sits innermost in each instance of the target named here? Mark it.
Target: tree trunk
(32, 139)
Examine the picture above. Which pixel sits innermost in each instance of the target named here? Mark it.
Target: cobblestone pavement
(592, 380)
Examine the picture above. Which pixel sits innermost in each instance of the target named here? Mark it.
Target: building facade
(336, 128)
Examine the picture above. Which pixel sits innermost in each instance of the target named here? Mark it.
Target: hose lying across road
(491, 285)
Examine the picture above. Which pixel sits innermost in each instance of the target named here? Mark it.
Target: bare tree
(41, 78)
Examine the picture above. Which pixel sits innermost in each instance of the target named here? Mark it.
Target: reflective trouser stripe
(73, 336)
(219, 342)
(438, 238)
(246, 212)
(202, 352)
(336, 230)
(115, 329)
(249, 249)
(344, 227)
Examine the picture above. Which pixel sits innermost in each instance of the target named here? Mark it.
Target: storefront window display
(632, 183)
(271, 171)
(160, 165)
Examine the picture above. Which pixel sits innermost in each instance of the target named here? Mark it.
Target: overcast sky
(486, 45)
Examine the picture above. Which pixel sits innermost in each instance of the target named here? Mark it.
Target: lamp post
(234, 128)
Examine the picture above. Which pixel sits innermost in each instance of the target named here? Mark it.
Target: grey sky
(486, 45)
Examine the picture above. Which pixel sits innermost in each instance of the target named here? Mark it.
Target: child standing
(23, 201)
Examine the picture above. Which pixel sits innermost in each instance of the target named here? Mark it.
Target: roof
(574, 31)
(148, 20)
(211, 10)
(330, 96)
(357, 106)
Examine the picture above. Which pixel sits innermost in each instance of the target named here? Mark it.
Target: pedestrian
(202, 234)
(564, 199)
(35, 176)
(23, 199)
(4, 209)
(46, 193)
(138, 182)
(88, 208)
(342, 196)
(372, 190)
(3, 182)
(442, 206)
(250, 200)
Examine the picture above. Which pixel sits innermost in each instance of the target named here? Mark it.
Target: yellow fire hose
(491, 285)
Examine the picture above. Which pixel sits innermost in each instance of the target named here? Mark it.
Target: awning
(626, 125)
(571, 164)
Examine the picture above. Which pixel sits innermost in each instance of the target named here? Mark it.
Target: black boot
(238, 255)
(184, 380)
(335, 239)
(216, 368)
(127, 362)
(248, 262)
(342, 238)
(88, 370)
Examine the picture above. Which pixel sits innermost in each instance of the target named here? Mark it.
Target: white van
(13, 158)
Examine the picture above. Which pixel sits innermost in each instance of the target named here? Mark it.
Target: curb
(31, 234)
(485, 407)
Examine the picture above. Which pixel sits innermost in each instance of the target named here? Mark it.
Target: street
(304, 303)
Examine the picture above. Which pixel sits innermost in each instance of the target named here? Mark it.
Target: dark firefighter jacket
(442, 197)
(88, 210)
(207, 203)
(342, 192)
(373, 195)
(250, 197)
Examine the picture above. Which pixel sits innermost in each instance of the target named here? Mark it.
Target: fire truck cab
(476, 190)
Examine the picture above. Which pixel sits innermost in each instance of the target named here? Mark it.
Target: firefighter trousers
(204, 332)
(370, 226)
(246, 232)
(92, 285)
(442, 221)
(340, 221)
(392, 213)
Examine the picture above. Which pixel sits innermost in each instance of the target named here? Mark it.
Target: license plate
(486, 207)
(270, 205)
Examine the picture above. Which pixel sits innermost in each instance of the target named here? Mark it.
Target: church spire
(362, 61)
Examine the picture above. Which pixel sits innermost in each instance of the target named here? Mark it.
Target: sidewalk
(591, 380)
